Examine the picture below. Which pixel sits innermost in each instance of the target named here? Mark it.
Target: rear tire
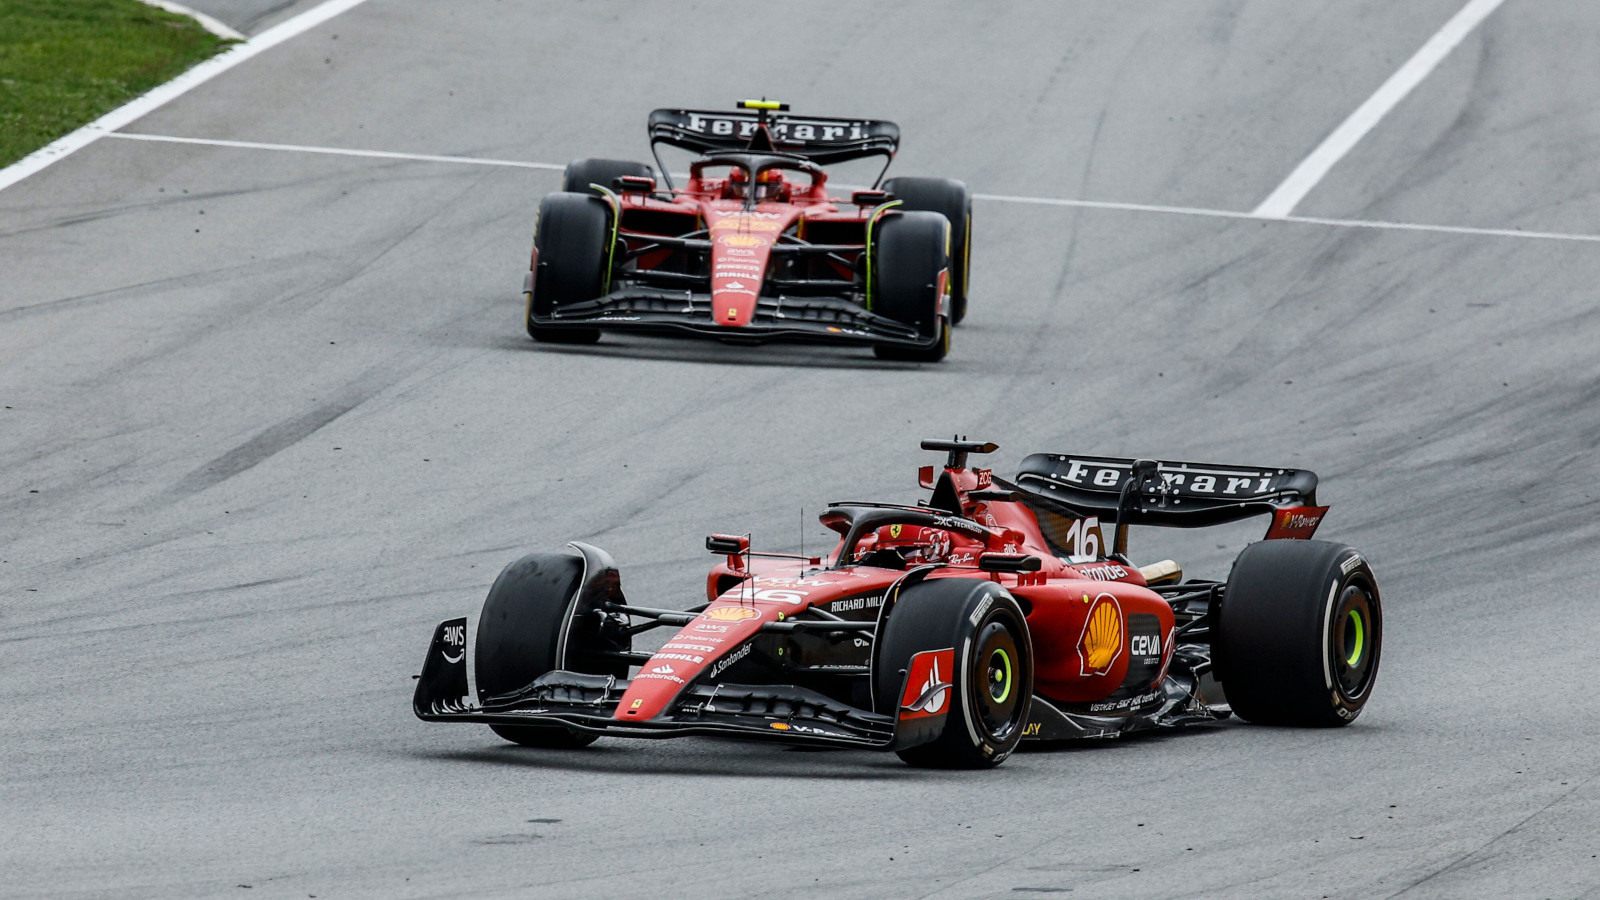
(1300, 634)
(519, 634)
(573, 242)
(992, 682)
(912, 260)
(581, 173)
(949, 198)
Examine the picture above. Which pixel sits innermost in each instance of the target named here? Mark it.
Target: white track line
(1300, 220)
(177, 87)
(992, 198)
(338, 151)
(1281, 202)
(214, 26)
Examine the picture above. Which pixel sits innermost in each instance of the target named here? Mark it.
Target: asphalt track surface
(268, 417)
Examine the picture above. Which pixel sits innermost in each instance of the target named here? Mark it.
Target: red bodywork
(752, 248)
(1100, 636)
(742, 237)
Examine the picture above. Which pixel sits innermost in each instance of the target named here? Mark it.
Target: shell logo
(1101, 641)
(741, 240)
(731, 613)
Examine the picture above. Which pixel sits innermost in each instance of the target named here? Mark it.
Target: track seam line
(158, 97)
(1282, 201)
(991, 198)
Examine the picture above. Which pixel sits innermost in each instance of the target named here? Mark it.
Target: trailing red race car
(753, 248)
(948, 632)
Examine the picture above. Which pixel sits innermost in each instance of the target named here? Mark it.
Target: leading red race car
(948, 632)
(753, 248)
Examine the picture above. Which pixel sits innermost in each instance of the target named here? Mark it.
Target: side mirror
(1007, 562)
(635, 184)
(871, 198)
(728, 544)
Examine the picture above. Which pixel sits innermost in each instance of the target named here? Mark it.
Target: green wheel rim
(1360, 641)
(1000, 676)
(1354, 647)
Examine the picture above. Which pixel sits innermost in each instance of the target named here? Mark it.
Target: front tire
(573, 244)
(911, 268)
(992, 682)
(1300, 634)
(949, 198)
(519, 638)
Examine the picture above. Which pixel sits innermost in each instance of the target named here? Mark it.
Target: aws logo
(1101, 641)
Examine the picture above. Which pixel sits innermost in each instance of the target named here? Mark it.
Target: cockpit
(756, 178)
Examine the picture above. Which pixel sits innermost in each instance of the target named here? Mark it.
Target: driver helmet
(769, 185)
(734, 187)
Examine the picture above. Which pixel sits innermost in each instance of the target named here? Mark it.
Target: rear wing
(821, 140)
(1170, 494)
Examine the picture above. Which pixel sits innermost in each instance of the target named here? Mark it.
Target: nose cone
(741, 245)
(716, 637)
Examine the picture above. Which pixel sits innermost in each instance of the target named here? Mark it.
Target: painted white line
(177, 87)
(214, 26)
(1442, 229)
(1293, 220)
(1122, 207)
(1281, 202)
(336, 151)
(991, 198)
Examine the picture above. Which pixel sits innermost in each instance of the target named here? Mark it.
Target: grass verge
(64, 63)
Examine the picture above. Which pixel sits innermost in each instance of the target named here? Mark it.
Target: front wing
(809, 319)
(588, 703)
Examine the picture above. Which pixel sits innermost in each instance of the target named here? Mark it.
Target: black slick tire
(1299, 634)
(911, 252)
(581, 173)
(992, 681)
(949, 198)
(573, 243)
(519, 633)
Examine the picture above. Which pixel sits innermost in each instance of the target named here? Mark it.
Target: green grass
(64, 63)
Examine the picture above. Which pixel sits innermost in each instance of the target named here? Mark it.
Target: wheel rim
(1000, 675)
(993, 681)
(1353, 649)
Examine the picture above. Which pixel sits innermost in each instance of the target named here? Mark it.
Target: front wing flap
(816, 319)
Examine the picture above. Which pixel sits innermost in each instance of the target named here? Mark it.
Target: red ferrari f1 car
(948, 632)
(753, 248)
